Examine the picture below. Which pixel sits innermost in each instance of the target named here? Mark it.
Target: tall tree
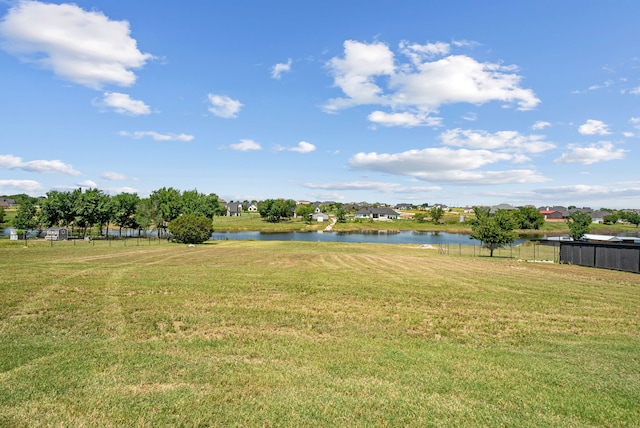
(27, 215)
(436, 214)
(274, 210)
(166, 204)
(579, 224)
(124, 210)
(494, 231)
(529, 218)
(305, 211)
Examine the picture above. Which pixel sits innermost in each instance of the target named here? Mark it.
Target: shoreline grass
(248, 333)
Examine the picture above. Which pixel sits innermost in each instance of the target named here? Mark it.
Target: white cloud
(445, 165)
(541, 124)
(585, 192)
(628, 134)
(278, 69)
(90, 184)
(123, 104)
(382, 187)
(223, 106)
(42, 166)
(635, 121)
(419, 53)
(507, 141)
(354, 74)
(80, 46)
(405, 119)
(113, 176)
(598, 152)
(246, 145)
(303, 147)
(27, 186)
(594, 127)
(157, 136)
(635, 91)
(470, 116)
(368, 74)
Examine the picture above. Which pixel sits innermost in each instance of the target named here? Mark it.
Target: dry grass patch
(312, 334)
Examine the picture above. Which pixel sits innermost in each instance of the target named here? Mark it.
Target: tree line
(84, 209)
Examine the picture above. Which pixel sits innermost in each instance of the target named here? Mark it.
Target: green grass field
(247, 333)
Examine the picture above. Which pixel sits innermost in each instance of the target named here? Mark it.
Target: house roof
(379, 211)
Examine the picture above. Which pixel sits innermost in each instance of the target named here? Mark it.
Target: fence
(531, 250)
(616, 256)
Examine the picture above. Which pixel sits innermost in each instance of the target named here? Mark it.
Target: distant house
(377, 214)
(598, 216)
(252, 208)
(506, 207)
(404, 206)
(319, 217)
(6, 202)
(555, 213)
(57, 234)
(234, 209)
(552, 215)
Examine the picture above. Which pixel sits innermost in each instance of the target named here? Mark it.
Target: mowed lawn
(243, 333)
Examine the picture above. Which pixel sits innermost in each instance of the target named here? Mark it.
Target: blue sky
(461, 102)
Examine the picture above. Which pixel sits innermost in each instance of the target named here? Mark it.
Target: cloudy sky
(460, 102)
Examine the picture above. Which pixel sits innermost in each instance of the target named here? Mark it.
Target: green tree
(436, 214)
(420, 217)
(27, 215)
(305, 211)
(91, 207)
(124, 210)
(196, 203)
(145, 214)
(165, 205)
(274, 210)
(341, 214)
(191, 229)
(633, 217)
(494, 231)
(529, 218)
(1, 215)
(611, 218)
(579, 224)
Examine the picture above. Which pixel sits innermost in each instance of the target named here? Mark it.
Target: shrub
(191, 229)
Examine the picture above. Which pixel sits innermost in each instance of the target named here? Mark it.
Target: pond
(378, 237)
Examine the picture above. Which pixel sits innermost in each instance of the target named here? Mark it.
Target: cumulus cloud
(246, 145)
(541, 124)
(369, 74)
(594, 127)
(405, 119)
(382, 187)
(84, 47)
(303, 147)
(27, 186)
(279, 69)
(157, 136)
(446, 165)
(223, 106)
(123, 104)
(598, 152)
(88, 184)
(508, 141)
(41, 166)
(113, 176)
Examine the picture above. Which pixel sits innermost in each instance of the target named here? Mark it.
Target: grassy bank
(312, 334)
